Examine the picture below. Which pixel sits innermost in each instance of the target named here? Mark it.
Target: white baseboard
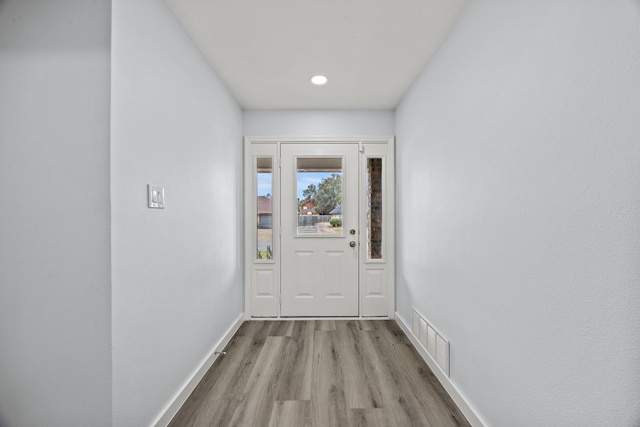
(451, 389)
(176, 403)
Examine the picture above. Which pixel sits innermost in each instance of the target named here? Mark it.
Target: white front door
(319, 243)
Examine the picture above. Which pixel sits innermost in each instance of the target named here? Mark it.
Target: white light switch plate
(155, 197)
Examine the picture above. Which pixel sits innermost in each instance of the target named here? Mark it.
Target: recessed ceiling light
(319, 80)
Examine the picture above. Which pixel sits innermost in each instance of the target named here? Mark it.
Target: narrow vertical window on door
(374, 208)
(264, 208)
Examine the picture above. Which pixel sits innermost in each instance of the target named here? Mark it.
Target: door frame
(376, 288)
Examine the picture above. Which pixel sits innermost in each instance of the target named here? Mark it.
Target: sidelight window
(374, 208)
(264, 208)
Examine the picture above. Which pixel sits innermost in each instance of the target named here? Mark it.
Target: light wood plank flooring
(319, 373)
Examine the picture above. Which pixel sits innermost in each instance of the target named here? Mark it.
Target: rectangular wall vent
(435, 344)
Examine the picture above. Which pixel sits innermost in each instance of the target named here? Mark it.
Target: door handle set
(352, 243)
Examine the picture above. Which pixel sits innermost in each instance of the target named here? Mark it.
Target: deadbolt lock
(352, 244)
(352, 231)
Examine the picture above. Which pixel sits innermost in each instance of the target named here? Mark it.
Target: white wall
(55, 296)
(318, 122)
(518, 164)
(177, 277)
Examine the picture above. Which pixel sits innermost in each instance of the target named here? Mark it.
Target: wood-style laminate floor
(319, 373)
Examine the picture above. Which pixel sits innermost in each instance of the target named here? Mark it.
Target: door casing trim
(389, 140)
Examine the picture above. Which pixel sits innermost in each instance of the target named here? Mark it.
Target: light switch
(155, 197)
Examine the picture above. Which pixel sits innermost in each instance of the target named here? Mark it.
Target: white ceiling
(267, 50)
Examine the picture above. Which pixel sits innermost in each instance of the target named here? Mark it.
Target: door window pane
(264, 208)
(374, 208)
(319, 193)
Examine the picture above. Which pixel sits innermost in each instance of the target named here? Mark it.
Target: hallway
(319, 373)
(517, 216)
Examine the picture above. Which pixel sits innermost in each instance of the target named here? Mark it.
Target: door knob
(352, 244)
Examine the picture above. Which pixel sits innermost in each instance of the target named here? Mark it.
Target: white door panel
(319, 267)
